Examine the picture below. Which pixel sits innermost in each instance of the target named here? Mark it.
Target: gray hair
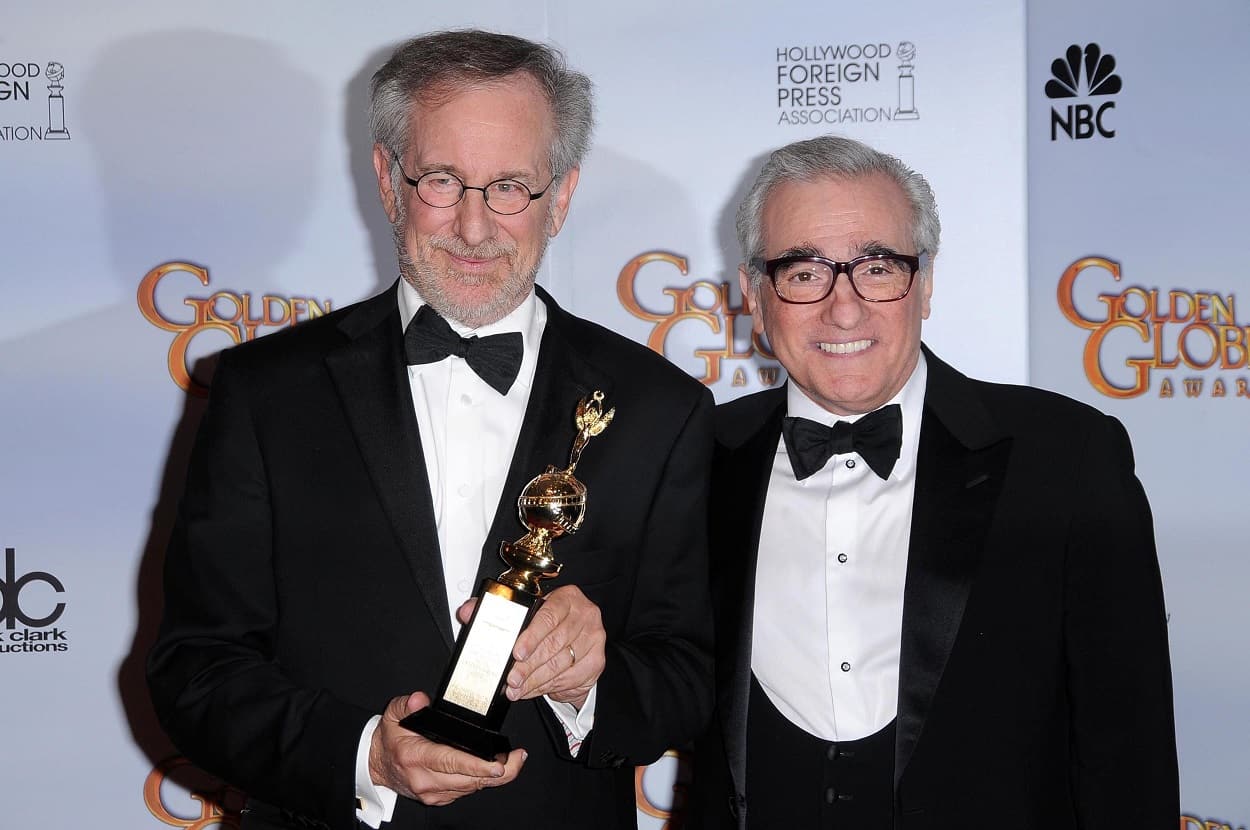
(432, 67)
(834, 157)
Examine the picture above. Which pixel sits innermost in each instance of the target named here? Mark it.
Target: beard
(457, 295)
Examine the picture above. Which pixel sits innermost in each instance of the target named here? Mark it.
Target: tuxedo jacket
(304, 587)
(1034, 681)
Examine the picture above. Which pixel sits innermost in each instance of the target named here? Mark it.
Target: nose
(475, 222)
(842, 309)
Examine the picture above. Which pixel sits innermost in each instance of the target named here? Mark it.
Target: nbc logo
(1082, 120)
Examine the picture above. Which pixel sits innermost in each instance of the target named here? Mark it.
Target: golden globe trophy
(470, 705)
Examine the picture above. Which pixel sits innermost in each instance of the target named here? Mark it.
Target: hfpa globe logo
(1099, 79)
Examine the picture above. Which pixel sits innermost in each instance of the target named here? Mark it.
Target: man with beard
(351, 484)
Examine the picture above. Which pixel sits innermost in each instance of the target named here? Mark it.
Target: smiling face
(471, 264)
(847, 354)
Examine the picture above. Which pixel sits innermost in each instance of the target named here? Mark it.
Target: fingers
(511, 768)
(465, 611)
(404, 705)
(560, 654)
(443, 781)
(457, 786)
(432, 773)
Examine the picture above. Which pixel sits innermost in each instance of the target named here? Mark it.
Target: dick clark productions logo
(16, 608)
(1099, 79)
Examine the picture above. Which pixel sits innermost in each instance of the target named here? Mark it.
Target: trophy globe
(552, 505)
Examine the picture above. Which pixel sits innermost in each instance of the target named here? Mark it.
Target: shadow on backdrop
(359, 143)
(205, 145)
(727, 237)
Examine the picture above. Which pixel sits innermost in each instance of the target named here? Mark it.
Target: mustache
(488, 249)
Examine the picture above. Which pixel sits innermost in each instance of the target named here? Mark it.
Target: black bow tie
(496, 358)
(877, 437)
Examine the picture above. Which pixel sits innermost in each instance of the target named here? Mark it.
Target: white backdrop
(1163, 199)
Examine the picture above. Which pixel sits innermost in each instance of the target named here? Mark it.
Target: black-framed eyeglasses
(441, 189)
(876, 278)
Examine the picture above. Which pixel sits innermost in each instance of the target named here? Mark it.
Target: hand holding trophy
(471, 703)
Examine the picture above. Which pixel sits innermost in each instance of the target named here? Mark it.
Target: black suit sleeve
(655, 692)
(218, 689)
(1119, 688)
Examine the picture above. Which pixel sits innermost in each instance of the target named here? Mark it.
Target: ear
(926, 291)
(750, 299)
(382, 166)
(560, 201)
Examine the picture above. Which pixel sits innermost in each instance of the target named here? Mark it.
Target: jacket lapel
(561, 379)
(748, 468)
(961, 463)
(371, 374)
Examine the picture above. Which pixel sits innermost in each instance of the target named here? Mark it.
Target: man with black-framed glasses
(355, 475)
(937, 600)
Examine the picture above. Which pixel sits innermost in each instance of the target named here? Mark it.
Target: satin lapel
(740, 509)
(561, 379)
(372, 378)
(961, 463)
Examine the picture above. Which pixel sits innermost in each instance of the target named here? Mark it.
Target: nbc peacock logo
(1083, 72)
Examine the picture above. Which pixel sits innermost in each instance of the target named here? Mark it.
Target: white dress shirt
(829, 582)
(468, 436)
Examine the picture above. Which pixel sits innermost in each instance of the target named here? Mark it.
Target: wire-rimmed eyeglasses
(441, 189)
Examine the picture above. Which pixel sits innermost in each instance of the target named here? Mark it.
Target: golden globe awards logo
(239, 316)
(660, 788)
(684, 306)
(846, 83)
(1195, 823)
(206, 804)
(27, 113)
(1139, 332)
(1083, 72)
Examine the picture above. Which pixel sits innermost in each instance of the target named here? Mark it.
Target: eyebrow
(872, 246)
(515, 174)
(869, 248)
(802, 249)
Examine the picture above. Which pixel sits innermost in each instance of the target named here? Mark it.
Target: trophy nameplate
(471, 704)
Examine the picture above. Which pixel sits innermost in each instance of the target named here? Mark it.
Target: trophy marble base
(471, 703)
(446, 728)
